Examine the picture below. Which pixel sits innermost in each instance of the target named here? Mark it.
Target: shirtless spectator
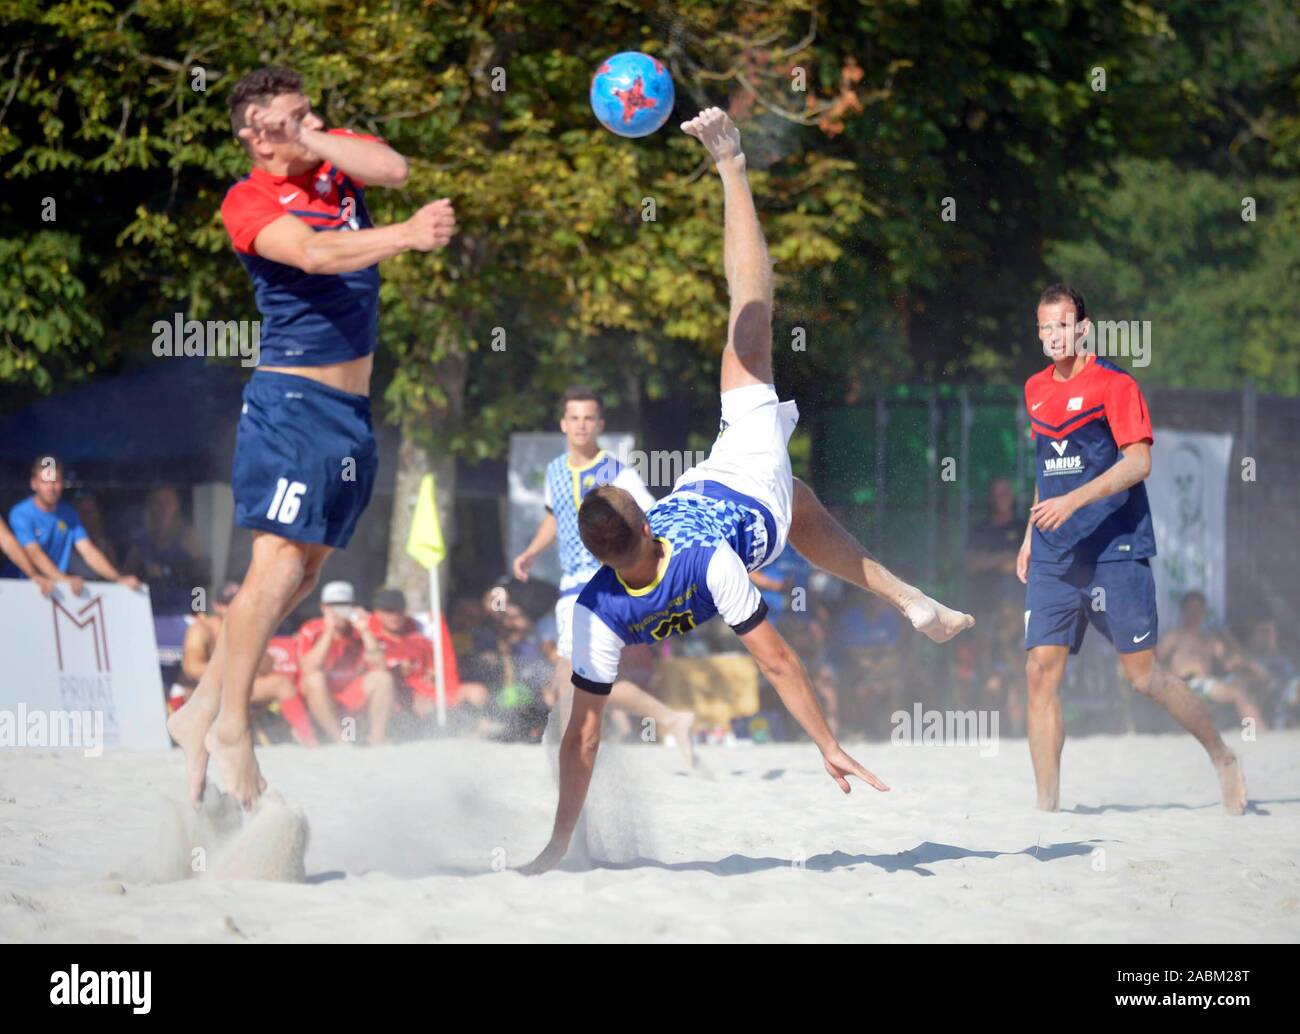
(269, 686)
(343, 666)
(1207, 660)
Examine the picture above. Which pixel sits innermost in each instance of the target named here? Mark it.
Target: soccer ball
(632, 94)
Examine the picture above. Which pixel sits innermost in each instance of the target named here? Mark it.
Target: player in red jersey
(1089, 540)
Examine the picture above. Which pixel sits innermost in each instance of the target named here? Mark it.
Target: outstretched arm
(785, 671)
(577, 759)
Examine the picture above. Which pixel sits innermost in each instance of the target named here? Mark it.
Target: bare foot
(236, 764)
(932, 619)
(188, 727)
(1233, 781)
(681, 728)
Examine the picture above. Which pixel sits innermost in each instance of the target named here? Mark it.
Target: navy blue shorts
(1117, 596)
(305, 459)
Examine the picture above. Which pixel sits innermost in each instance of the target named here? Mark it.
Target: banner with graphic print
(79, 671)
(1188, 490)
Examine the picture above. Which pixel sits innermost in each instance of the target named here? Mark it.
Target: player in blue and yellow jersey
(305, 456)
(687, 560)
(1086, 556)
(582, 468)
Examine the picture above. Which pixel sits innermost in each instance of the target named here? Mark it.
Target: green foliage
(907, 103)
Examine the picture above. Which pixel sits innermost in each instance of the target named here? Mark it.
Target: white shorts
(564, 625)
(751, 454)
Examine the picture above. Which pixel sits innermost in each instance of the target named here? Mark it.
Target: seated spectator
(1207, 660)
(780, 578)
(409, 655)
(1272, 674)
(48, 530)
(343, 666)
(91, 515)
(270, 686)
(870, 658)
(1004, 670)
(807, 637)
(166, 552)
(21, 562)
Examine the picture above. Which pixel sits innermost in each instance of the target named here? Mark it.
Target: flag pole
(435, 613)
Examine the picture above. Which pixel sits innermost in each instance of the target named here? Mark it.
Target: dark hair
(258, 88)
(580, 393)
(44, 460)
(1061, 292)
(609, 522)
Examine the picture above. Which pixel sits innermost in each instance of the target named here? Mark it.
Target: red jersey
(1079, 428)
(409, 653)
(345, 659)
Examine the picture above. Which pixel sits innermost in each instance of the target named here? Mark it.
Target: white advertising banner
(79, 671)
(1188, 490)
(530, 452)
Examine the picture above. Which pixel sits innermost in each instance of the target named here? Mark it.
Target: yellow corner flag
(425, 543)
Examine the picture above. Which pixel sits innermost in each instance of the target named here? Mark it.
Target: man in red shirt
(343, 666)
(409, 654)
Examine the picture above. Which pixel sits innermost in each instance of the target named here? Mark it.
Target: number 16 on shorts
(288, 499)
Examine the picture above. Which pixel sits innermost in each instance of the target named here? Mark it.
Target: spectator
(1207, 660)
(1273, 674)
(992, 548)
(91, 515)
(343, 664)
(869, 638)
(410, 658)
(269, 687)
(48, 530)
(806, 635)
(20, 561)
(779, 578)
(166, 552)
(1004, 671)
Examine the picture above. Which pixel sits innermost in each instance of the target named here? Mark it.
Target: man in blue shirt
(48, 530)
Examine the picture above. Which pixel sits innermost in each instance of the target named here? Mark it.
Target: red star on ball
(633, 100)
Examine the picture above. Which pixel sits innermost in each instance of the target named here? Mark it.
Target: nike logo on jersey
(288, 197)
(1139, 638)
(1034, 406)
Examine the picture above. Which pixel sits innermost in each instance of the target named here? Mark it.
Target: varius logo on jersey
(1061, 463)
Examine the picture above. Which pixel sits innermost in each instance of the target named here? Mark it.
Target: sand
(411, 843)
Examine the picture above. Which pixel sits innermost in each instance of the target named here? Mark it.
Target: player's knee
(379, 685)
(1144, 682)
(1042, 673)
(314, 684)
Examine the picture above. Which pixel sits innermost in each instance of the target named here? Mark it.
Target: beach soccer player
(305, 455)
(582, 468)
(1086, 555)
(688, 559)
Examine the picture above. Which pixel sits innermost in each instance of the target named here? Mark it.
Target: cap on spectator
(390, 599)
(227, 592)
(338, 592)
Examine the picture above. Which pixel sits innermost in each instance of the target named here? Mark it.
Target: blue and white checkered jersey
(566, 487)
(701, 576)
